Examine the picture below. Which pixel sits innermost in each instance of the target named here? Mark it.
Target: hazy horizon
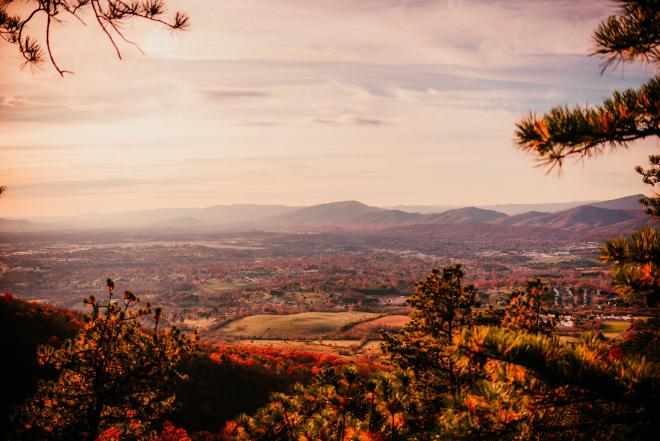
(404, 207)
(297, 103)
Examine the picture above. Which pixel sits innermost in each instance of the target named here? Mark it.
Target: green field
(218, 287)
(304, 325)
(614, 328)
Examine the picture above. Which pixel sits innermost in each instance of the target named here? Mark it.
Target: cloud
(355, 121)
(231, 94)
(63, 189)
(295, 101)
(38, 147)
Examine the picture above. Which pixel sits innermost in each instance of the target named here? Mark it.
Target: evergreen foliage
(651, 176)
(585, 131)
(452, 378)
(24, 327)
(635, 265)
(114, 375)
(109, 15)
(528, 310)
(537, 386)
(442, 307)
(340, 404)
(632, 35)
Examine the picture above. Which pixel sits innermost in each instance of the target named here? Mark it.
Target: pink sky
(301, 102)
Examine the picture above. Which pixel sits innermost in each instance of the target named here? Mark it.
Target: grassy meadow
(292, 326)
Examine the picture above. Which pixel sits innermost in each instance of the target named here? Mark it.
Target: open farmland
(306, 324)
(614, 328)
(370, 329)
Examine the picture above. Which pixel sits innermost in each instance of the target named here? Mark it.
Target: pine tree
(109, 15)
(632, 35)
(635, 265)
(528, 310)
(114, 375)
(539, 386)
(338, 405)
(535, 386)
(443, 306)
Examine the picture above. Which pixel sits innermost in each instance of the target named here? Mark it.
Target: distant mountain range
(510, 209)
(154, 218)
(621, 215)
(586, 217)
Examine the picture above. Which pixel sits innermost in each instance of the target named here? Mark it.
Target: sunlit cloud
(297, 102)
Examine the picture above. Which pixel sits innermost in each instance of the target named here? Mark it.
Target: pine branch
(632, 35)
(631, 381)
(585, 131)
(109, 15)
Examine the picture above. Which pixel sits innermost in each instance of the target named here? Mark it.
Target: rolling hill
(311, 324)
(352, 215)
(17, 225)
(586, 217)
(617, 216)
(583, 218)
(467, 214)
(624, 203)
(179, 222)
(213, 216)
(523, 218)
(346, 215)
(510, 209)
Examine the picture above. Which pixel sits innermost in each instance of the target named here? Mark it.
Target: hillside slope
(459, 215)
(584, 218)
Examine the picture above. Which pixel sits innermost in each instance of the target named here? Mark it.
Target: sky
(298, 102)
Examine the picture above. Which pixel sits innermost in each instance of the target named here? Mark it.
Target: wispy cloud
(296, 101)
(65, 189)
(231, 94)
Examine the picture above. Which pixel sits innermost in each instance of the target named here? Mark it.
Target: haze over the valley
(621, 215)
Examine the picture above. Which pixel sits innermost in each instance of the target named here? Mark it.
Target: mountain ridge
(621, 215)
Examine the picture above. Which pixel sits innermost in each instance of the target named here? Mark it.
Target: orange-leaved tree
(116, 374)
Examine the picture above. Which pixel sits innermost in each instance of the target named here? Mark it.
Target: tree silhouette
(108, 15)
(113, 376)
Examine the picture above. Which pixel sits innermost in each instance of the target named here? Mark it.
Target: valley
(334, 272)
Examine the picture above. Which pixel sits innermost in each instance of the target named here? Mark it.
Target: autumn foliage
(115, 376)
(282, 361)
